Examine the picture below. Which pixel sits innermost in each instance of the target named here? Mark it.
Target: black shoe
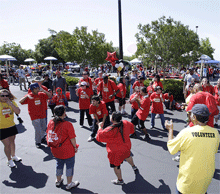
(133, 135)
(44, 141)
(147, 137)
(38, 145)
(20, 120)
(216, 125)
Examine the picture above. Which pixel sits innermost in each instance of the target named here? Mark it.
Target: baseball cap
(33, 86)
(200, 109)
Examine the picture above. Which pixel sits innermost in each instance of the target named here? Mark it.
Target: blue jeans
(161, 118)
(69, 166)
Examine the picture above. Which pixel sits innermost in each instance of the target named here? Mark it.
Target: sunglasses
(4, 95)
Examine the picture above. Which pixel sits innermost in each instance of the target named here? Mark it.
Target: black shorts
(113, 166)
(136, 121)
(121, 101)
(8, 132)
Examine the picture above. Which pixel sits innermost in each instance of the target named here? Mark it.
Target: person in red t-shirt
(3, 83)
(118, 144)
(100, 113)
(37, 100)
(157, 99)
(107, 89)
(201, 97)
(86, 79)
(57, 129)
(99, 79)
(169, 101)
(150, 89)
(84, 94)
(121, 95)
(157, 82)
(217, 100)
(139, 82)
(135, 101)
(207, 87)
(142, 113)
(211, 72)
(38, 80)
(59, 98)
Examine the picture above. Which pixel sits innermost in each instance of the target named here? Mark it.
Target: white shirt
(21, 73)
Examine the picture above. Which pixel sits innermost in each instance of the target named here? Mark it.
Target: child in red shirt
(142, 113)
(121, 95)
(169, 102)
(84, 94)
(135, 101)
(59, 98)
(100, 113)
(150, 89)
(157, 99)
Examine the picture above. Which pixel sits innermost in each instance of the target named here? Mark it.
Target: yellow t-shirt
(198, 146)
(6, 115)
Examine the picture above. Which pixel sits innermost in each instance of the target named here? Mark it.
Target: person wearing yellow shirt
(8, 128)
(198, 146)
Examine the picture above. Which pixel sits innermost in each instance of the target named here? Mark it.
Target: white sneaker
(177, 158)
(72, 185)
(11, 164)
(16, 159)
(117, 182)
(157, 116)
(81, 126)
(90, 139)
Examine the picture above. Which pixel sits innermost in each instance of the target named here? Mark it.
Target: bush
(71, 81)
(173, 86)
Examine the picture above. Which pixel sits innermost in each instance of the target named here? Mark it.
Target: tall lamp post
(197, 29)
(120, 35)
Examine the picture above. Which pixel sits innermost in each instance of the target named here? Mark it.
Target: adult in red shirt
(108, 90)
(142, 113)
(99, 79)
(169, 101)
(217, 100)
(207, 87)
(37, 100)
(63, 131)
(157, 99)
(211, 72)
(201, 97)
(121, 95)
(139, 82)
(86, 79)
(150, 89)
(84, 94)
(100, 114)
(118, 144)
(3, 83)
(135, 101)
(157, 82)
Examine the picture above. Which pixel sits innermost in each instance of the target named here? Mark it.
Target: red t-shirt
(98, 80)
(118, 150)
(155, 84)
(84, 102)
(134, 104)
(150, 90)
(99, 111)
(66, 132)
(59, 99)
(209, 89)
(211, 71)
(217, 95)
(200, 98)
(89, 83)
(137, 83)
(107, 90)
(170, 98)
(157, 104)
(37, 105)
(143, 111)
(122, 88)
(4, 84)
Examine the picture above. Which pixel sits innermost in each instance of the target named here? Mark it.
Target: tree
(206, 47)
(168, 40)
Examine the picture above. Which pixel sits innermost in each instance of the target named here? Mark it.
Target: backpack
(54, 138)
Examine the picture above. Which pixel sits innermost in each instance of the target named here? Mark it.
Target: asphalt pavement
(36, 173)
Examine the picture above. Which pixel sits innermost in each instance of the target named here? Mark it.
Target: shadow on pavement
(70, 119)
(70, 109)
(76, 190)
(47, 151)
(140, 185)
(24, 176)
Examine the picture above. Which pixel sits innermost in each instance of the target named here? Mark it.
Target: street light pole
(120, 35)
(197, 29)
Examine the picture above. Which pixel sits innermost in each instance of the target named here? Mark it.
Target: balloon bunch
(119, 66)
(111, 57)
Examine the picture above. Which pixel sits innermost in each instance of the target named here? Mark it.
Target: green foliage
(168, 39)
(206, 47)
(71, 81)
(173, 86)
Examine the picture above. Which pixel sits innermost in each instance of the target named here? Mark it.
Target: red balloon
(111, 57)
(113, 63)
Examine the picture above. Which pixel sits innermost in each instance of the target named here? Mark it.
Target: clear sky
(27, 21)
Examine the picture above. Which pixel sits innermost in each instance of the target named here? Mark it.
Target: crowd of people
(97, 97)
